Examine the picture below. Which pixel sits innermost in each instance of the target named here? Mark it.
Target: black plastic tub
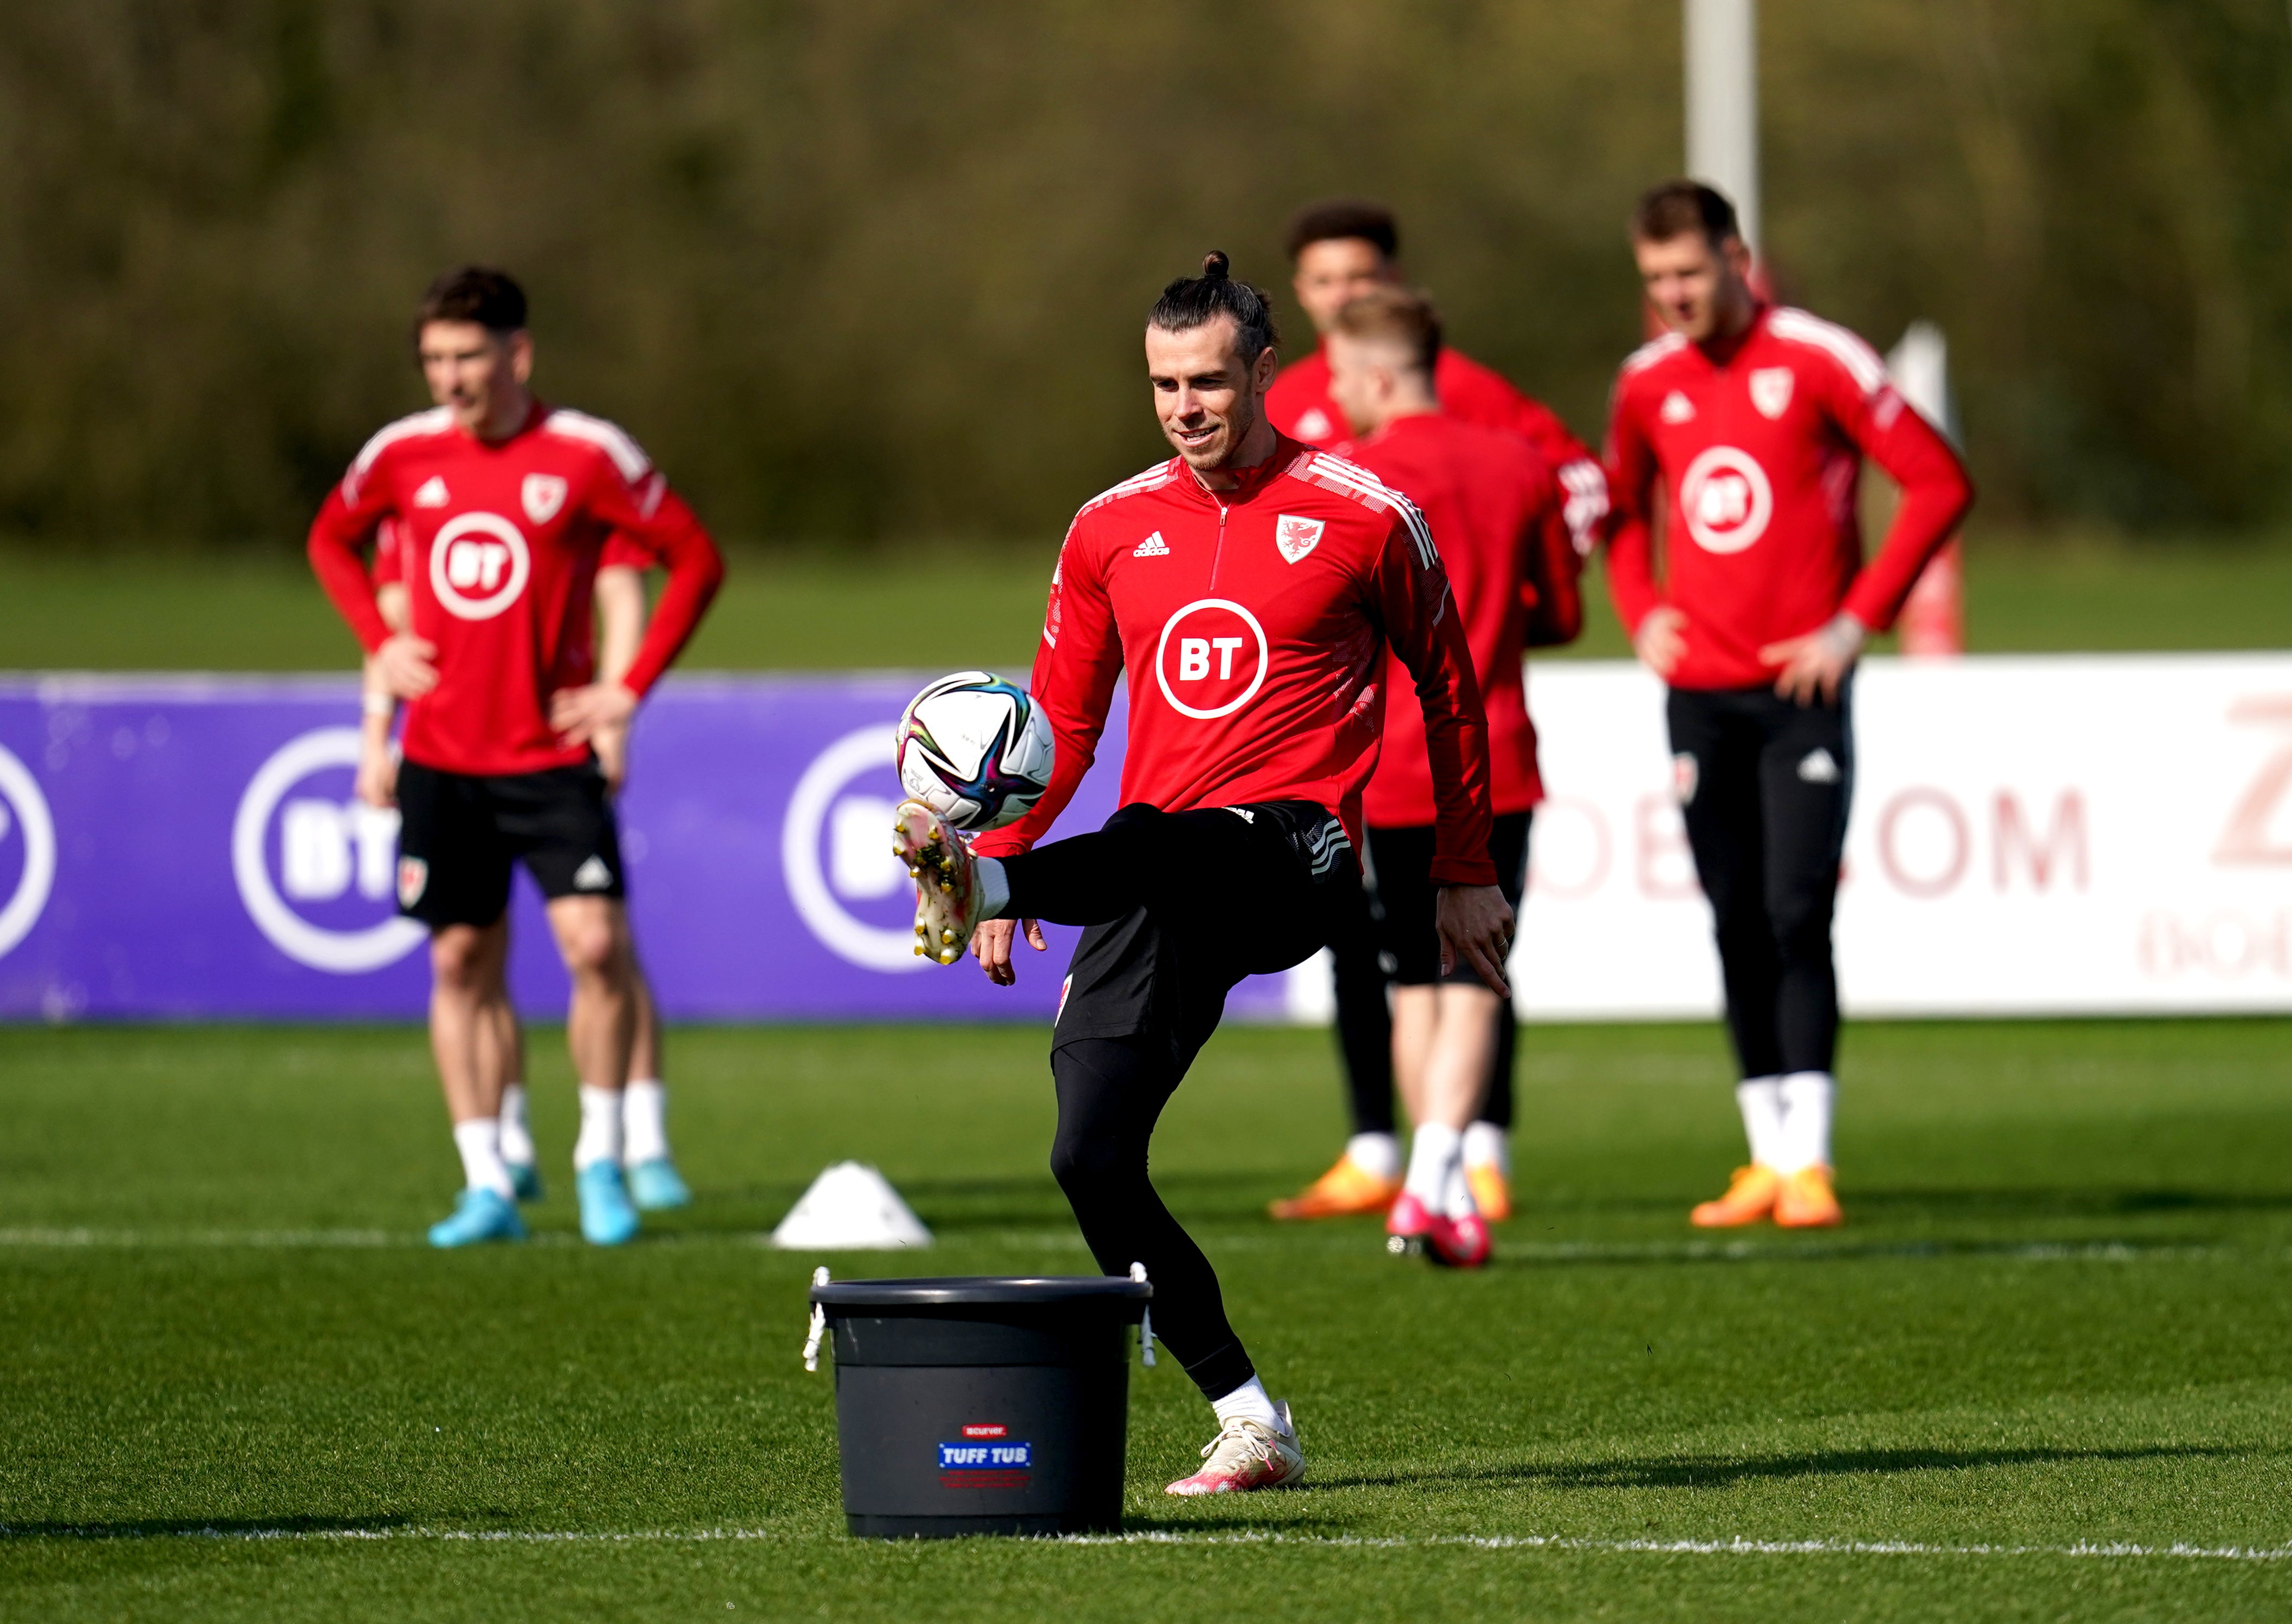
(981, 1405)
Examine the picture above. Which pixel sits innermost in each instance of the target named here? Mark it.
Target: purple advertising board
(180, 848)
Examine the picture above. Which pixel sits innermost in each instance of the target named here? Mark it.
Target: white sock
(1807, 1097)
(516, 1136)
(1761, 1101)
(1487, 1145)
(1457, 1196)
(994, 888)
(1378, 1155)
(644, 1121)
(1433, 1154)
(600, 1126)
(479, 1140)
(1248, 1401)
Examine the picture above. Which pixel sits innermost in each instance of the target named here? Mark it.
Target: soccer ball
(975, 749)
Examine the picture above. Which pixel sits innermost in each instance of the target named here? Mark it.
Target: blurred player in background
(1751, 422)
(1496, 510)
(1249, 588)
(1339, 250)
(501, 508)
(654, 1183)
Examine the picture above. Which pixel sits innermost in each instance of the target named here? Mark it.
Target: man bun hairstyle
(1400, 316)
(1676, 207)
(1195, 302)
(1336, 219)
(475, 293)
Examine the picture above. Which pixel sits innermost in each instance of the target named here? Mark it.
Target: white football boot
(947, 901)
(1246, 1455)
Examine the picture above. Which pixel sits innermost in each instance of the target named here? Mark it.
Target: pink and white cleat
(947, 901)
(1246, 1455)
(1458, 1243)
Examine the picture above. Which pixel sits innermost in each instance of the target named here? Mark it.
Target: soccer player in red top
(1340, 249)
(1248, 588)
(501, 508)
(654, 1183)
(1752, 421)
(1492, 503)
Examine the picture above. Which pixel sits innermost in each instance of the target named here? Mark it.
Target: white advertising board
(2032, 834)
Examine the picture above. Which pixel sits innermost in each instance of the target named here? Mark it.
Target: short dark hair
(1396, 315)
(475, 292)
(1333, 219)
(1195, 302)
(1677, 207)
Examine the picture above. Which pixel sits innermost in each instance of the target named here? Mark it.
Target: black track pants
(1764, 784)
(1179, 907)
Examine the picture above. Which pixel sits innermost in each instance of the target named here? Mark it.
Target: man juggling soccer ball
(1248, 588)
(501, 508)
(1754, 421)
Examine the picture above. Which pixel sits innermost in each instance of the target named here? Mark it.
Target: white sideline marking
(256, 1238)
(1734, 1547)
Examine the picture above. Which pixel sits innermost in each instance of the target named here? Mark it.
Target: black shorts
(1403, 898)
(1235, 891)
(460, 832)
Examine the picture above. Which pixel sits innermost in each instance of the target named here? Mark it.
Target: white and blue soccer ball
(975, 749)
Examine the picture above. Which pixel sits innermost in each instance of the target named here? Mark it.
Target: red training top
(1492, 503)
(620, 552)
(1760, 445)
(1300, 405)
(498, 543)
(1253, 623)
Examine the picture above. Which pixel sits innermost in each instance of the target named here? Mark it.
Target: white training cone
(850, 1209)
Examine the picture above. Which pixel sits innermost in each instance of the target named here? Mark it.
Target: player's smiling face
(1210, 402)
(1700, 290)
(478, 373)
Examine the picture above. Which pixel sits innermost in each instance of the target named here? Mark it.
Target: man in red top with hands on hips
(1339, 249)
(1755, 420)
(1248, 588)
(502, 506)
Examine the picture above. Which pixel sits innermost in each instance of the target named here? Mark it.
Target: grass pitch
(2043, 1373)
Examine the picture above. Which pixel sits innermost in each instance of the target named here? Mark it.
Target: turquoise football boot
(525, 1178)
(655, 1185)
(606, 1216)
(480, 1216)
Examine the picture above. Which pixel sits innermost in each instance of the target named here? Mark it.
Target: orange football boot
(1806, 1201)
(1345, 1191)
(1749, 1197)
(1491, 1192)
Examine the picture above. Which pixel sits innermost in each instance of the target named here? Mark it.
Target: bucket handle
(1145, 1321)
(818, 1323)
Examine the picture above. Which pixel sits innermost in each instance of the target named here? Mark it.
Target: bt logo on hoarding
(315, 866)
(835, 850)
(28, 852)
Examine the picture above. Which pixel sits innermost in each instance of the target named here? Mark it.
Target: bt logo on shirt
(1725, 500)
(1212, 659)
(478, 565)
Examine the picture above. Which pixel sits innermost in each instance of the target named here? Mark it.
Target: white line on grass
(1735, 1545)
(1523, 1251)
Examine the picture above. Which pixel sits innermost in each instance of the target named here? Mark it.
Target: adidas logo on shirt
(592, 876)
(431, 493)
(1676, 407)
(1818, 766)
(1153, 546)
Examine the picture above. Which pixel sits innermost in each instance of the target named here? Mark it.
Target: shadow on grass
(1719, 1471)
(202, 1528)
